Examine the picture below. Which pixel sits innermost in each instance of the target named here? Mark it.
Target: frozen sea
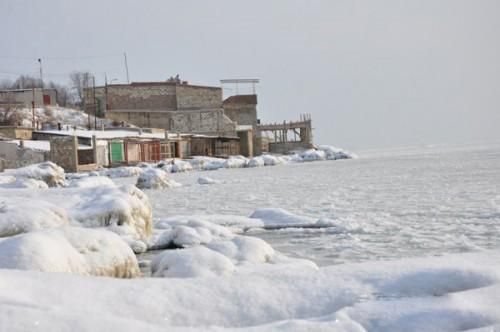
(387, 204)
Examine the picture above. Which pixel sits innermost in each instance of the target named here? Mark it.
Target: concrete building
(174, 106)
(26, 97)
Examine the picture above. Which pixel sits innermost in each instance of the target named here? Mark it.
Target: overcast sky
(371, 73)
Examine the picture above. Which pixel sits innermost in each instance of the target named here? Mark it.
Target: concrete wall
(26, 96)
(207, 122)
(198, 97)
(152, 97)
(284, 148)
(15, 157)
(242, 109)
(16, 132)
(246, 142)
(64, 152)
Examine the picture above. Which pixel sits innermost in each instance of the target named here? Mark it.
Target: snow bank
(244, 249)
(207, 180)
(70, 249)
(154, 178)
(451, 293)
(47, 172)
(192, 262)
(124, 210)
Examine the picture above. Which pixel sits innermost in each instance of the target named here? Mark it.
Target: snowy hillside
(52, 115)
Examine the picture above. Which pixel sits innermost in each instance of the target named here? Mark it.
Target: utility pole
(95, 103)
(41, 72)
(33, 107)
(126, 66)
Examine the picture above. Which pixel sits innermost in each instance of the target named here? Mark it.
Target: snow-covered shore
(210, 272)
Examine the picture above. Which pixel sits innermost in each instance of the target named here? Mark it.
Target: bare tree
(26, 82)
(5, 84)
(63, 95)
(8, 116)
(79, 81)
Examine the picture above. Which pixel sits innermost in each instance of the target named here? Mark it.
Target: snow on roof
(41, 145)
(104, 134)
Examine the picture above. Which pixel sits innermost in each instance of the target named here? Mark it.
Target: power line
(60, 57)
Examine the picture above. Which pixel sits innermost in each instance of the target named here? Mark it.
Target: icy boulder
(256, 162)
(235, 162)
(270, 160)
(333, 153)
(125, 210)
(189, 263)
(207, 180)
(21, 214)
(175, 166)
(313, 155)
(91, 181)
(47, 172)
(244, 249)
(154, 178)
(123, 171)
(189, 233)
(72, 250)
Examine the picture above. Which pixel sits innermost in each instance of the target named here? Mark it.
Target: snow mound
(16, 218)
(244, 249)
(207, 180)
(175, 166)
(47, 172)
(235, 162)
(189, 263)
(256, 162)
(91, 181)
(154, 178)
(125, 210)
(123, 171)
(72, 250)
(188, 233)
(25, 183)
(333, 153)
(270, 160)
(313, 155)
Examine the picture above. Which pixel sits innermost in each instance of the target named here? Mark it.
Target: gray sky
(371, 73)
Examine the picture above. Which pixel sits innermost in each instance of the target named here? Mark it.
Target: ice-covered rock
(188, 233)
(125, 210)
(123, 171)
(175, 166)
(191, 262)
(256, 162)
(235, 162)
(313, 155)
(270, 160)
(244, 249)
(154, 178)
(72, 250)
(207, 180)
(277, 216)
(47, 172)
(333, 153)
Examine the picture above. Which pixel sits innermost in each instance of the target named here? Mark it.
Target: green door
(116, 152)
